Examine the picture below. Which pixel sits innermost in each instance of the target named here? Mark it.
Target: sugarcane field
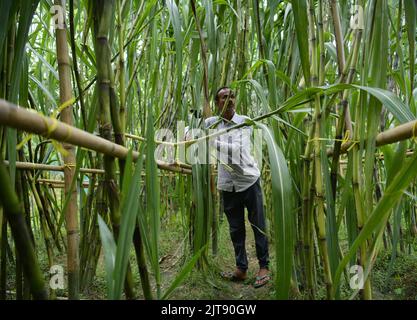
(208, 150)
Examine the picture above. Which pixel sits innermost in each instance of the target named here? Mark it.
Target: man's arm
(232, 143)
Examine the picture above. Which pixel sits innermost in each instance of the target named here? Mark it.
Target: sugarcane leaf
(179, 40)
(283, 213)
(210, 25)
(289, 125)
(398, 109)
(109, 248)
(259, 92)
(183, 273)
(45, 90)
(287, 80)
(43, 60)
(411, 18)
(299, 9)
(130, 209)
(380, 214)
(5, 13)
(152, 198)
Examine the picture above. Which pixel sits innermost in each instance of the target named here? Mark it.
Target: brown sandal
(232, 276)
(260, 281)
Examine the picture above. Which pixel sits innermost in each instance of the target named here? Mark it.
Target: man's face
(225, 96)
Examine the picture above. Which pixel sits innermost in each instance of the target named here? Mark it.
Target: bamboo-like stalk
(338, 36)
(109, 116)
(345, 119)
(320, 219)
(71, 214)
(341, 66)
(21, 165)
(44, 212)
(47, 167)
(146, 76)
(206, 108)
(357, 181)
(121, 66)
(3, 256)
(22, 119)
(141, 260)
(27, 212)
(14, 214)
(60, 183)
(400, 133)
(46, 232)
(307, 182)
(77, 74)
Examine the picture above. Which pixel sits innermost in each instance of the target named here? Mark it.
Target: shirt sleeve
(208, 122)
(233, 142)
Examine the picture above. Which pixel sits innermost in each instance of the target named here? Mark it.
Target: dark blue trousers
(234, 208)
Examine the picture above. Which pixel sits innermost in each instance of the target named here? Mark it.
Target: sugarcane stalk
(3, 255)
(318, 177)
(338, 36)
(14, 215)
(5, 89)
(19, 270)
(71, 214)
(22, 119)
(43, 221)
(77, 74)
(120, 27)
(307, 183)
(109, 115)
(225, 69)
(141, 260)
(307, 218)
(341, 66)
(357, 186)
(344, 120)
(206, 107)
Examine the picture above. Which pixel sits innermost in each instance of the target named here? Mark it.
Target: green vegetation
(330, 84)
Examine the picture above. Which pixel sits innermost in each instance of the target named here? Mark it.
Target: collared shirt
(237, 169)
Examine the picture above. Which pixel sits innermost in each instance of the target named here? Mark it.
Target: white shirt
(237, 168)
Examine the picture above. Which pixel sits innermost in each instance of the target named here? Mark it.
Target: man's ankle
(241, 271)
(263, 269)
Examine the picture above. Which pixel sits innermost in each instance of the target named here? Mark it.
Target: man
(239, 182)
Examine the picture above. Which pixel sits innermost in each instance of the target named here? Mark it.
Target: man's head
(225, 102)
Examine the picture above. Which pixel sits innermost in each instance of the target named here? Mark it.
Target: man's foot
(262, 278)
(237, 275)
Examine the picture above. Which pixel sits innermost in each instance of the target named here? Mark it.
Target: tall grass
(320, 90)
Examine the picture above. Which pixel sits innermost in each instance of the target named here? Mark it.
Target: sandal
(232, 276)
(262, 280)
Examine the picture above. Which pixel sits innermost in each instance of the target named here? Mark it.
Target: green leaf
(130, 209)
(398, 109)
(411, 18)
(259, 92)
(152, 199)
(45, 90)
(283, 213)
(109, 248)
(299, 9)
(182, 275)
(377, 220)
